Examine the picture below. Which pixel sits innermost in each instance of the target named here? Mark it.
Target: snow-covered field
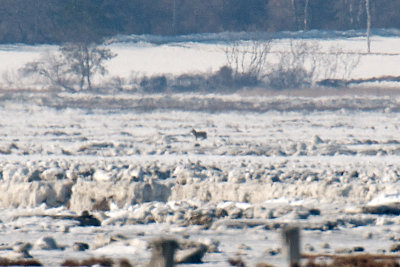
(327, 163)
(205, 53)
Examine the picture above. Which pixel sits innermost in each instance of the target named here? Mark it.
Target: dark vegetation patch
(89, 262)
(27, 262)
(364, 260)
(222, 81)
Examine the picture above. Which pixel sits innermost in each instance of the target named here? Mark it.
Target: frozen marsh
(328, 164)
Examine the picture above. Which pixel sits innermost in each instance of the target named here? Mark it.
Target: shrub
(156, 84)
(289, 79)
(189, 83)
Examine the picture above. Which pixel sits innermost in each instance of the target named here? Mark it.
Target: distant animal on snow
(199, 134)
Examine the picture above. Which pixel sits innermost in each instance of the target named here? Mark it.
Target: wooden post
(163, 253)
(291, 237)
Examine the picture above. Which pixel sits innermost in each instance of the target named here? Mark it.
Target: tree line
(60, 21)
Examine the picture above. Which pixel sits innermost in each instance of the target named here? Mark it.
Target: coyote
(202, 135)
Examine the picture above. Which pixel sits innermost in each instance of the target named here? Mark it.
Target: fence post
(291, 237)
(163, 253)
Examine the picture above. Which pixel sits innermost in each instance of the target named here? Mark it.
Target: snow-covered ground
(205, 53)
(327, 163)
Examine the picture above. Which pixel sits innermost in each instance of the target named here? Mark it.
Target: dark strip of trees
(59, 21)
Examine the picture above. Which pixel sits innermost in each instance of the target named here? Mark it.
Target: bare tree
(306, 15)
(337, 64)
(296, 66)
(174, 16)
(85, 60)
(75, 63)
(351, 19)
(304, 64)
(360, 11)
(368, 25)
(248, 59)
(293, 8)
(53, 68)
